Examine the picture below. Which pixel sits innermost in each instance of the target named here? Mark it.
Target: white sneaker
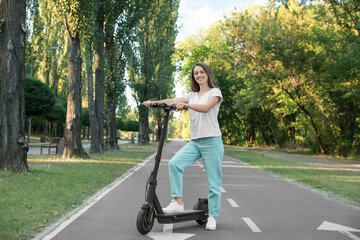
(174, 207)
(211, 224)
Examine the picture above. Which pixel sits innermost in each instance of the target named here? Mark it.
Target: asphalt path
(255, 206)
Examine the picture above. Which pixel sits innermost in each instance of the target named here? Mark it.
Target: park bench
(54, 140)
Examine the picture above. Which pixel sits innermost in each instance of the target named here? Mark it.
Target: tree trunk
(99, 76)
(73, 146)
(143, 138)
(111, 126)
(46, 129)
(12, 86)
(311, 120)
(29, 130)
(316, 132)
(112, 90)
(88, 133)
(95, 146)
(263, 133)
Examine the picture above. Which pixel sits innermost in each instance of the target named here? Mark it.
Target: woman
(203, 104)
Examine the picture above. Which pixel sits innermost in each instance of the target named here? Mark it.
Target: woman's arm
(167, 101)
(201, 108)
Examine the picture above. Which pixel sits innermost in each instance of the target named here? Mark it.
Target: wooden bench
(54, 140)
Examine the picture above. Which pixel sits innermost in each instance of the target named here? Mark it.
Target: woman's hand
(180, 106)
(147, 103)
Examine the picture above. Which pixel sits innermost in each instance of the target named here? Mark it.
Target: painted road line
(168, 228)
(232, 202)
(238, 166)
(251, 224)
(223, 190)
(329, 226)
(167, 233)
(227, 162)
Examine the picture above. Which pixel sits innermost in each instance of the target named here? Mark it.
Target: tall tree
(118, 23)
(147, 54)
(12, 84)
(75, 16)
(99, 72)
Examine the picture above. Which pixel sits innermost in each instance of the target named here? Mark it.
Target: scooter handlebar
(165, 106)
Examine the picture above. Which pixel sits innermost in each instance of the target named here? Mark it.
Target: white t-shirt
(204, 125)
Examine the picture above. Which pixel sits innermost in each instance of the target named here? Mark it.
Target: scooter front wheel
(145, 220)
(202, 204)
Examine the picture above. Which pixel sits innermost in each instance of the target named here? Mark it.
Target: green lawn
(55, 186)
(343, 183)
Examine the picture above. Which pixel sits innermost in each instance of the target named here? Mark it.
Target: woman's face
(200, 75)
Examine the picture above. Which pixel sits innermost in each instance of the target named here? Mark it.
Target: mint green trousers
(211, 150)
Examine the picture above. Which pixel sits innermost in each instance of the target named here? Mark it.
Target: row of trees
(289, 74)
(82, 51)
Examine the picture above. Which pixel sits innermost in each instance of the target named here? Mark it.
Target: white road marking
(242, 185)
(251, 224)
(238, 166)
(223, 190)
(168, 234)
(329, 226)
(229, 162)
(168, 228)
(232, 203)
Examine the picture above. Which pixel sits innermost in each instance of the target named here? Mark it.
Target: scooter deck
(187, 215)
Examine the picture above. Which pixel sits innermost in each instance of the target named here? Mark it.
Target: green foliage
(127, 125)
(57, 113)
(288, 74)
(39, 99)
(150, 61)
(85, 119)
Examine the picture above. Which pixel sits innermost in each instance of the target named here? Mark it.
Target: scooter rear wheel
(145, 220)
(202, 204)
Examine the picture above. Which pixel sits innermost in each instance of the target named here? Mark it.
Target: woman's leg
(182, 159)
(212, 152)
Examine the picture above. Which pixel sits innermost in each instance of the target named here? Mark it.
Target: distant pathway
(35, 148)
(317, 160)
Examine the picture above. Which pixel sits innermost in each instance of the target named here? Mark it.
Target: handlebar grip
(164, 105)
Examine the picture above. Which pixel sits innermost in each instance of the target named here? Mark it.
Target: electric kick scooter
(151, 209)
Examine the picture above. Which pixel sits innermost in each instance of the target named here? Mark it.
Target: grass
(340, 182)
(55, 186)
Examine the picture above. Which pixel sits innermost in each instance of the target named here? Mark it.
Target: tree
(39, 99)
(99, 38)
(146, 56)
(12, 84)
(120, 24)
(75, 16)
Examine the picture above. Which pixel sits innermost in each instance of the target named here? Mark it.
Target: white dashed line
(232, 202)
(223, 190)
(168, 228)
(251, 224)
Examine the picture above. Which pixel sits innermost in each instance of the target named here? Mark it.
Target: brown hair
(195, 87)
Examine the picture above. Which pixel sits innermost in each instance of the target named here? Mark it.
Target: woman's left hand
(180, 106)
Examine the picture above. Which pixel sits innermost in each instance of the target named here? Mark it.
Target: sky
(197, 14)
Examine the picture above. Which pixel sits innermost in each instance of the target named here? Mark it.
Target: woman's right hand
(147, 103)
